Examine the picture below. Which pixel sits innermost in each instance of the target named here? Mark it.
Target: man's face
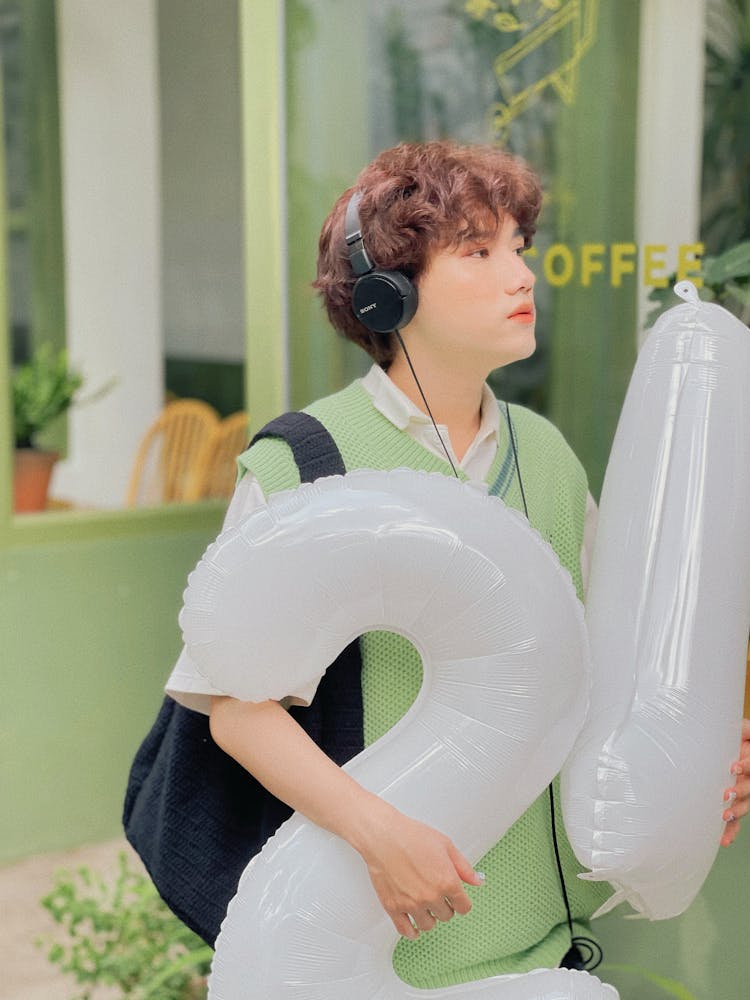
(476, 300)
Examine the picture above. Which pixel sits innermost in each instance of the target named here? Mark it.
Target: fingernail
(730, 796)
(730, 817)
(737, 769)
(480, 875)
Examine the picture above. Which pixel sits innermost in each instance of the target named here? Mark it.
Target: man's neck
(454, 398)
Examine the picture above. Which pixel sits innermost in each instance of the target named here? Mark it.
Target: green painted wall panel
(88, 632)
(45, 184)
(263, 141)
(325, 152)
(595, 327)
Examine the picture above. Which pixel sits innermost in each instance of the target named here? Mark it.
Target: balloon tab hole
(686, 290)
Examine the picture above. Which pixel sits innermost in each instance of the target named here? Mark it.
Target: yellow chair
(216, 466)
(166, 464)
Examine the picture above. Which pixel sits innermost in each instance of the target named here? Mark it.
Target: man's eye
(480, 252)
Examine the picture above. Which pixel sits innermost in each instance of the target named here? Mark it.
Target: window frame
(263, 123)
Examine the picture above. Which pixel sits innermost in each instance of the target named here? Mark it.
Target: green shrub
(123, 935)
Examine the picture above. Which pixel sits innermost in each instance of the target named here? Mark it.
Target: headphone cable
(589, 950)
(427, 405)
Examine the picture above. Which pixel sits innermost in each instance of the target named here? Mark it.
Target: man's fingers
(460, 902)
(403, 924)
(464, 868)
(739, 790)
(411, 924)
(736, 810)
(443, 911)
(730, 832)
(424, 919)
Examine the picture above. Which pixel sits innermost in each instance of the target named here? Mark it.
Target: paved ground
(26, 973)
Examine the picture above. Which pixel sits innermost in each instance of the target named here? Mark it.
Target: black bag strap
(334, 717)
(314, 450)
(191, 812)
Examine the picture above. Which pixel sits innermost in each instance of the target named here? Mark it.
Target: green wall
(705, 949)
(88, 632)
(89, 600)
(593, 343)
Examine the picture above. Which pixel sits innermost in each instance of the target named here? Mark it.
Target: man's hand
(737, 798)
(417, 872)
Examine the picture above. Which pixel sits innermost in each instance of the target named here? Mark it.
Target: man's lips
(524, 314)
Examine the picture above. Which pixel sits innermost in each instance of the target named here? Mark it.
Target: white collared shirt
(404, 414)
(188, 686)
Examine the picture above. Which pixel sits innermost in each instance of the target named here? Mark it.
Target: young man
(455, 221)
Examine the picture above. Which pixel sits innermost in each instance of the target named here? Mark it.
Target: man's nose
(522, 278)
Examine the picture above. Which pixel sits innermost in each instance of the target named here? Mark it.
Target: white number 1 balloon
(667, 612)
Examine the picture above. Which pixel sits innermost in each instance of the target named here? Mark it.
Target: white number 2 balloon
(486, 602)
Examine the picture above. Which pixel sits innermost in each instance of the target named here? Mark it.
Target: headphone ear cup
(384, 301)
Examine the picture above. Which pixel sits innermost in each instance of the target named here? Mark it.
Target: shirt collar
(396, 406)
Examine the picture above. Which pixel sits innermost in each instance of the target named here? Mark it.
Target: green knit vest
(518, 919)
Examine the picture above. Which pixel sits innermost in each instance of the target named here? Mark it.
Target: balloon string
(427, 405)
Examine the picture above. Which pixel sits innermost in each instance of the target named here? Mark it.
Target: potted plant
(43, 388)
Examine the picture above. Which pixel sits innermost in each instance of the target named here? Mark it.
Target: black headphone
(383, 301)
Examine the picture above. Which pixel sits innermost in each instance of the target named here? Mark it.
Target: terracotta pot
(31, 476)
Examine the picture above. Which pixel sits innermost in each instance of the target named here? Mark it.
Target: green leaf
(740, 292)
(733, 263)
(507, 22)
(43, 388)
(198, 960)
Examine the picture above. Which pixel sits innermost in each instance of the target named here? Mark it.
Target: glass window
(553, 82)
(32, 175)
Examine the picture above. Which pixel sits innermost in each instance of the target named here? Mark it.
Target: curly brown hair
(418, 198)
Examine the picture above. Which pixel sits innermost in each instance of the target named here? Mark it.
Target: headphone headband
(382, 301)
(358, 256)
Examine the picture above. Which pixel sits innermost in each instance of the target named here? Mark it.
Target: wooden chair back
(166, 463)
(216, 466)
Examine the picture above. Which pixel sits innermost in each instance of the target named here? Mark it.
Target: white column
(670, 130)
(107, 53)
